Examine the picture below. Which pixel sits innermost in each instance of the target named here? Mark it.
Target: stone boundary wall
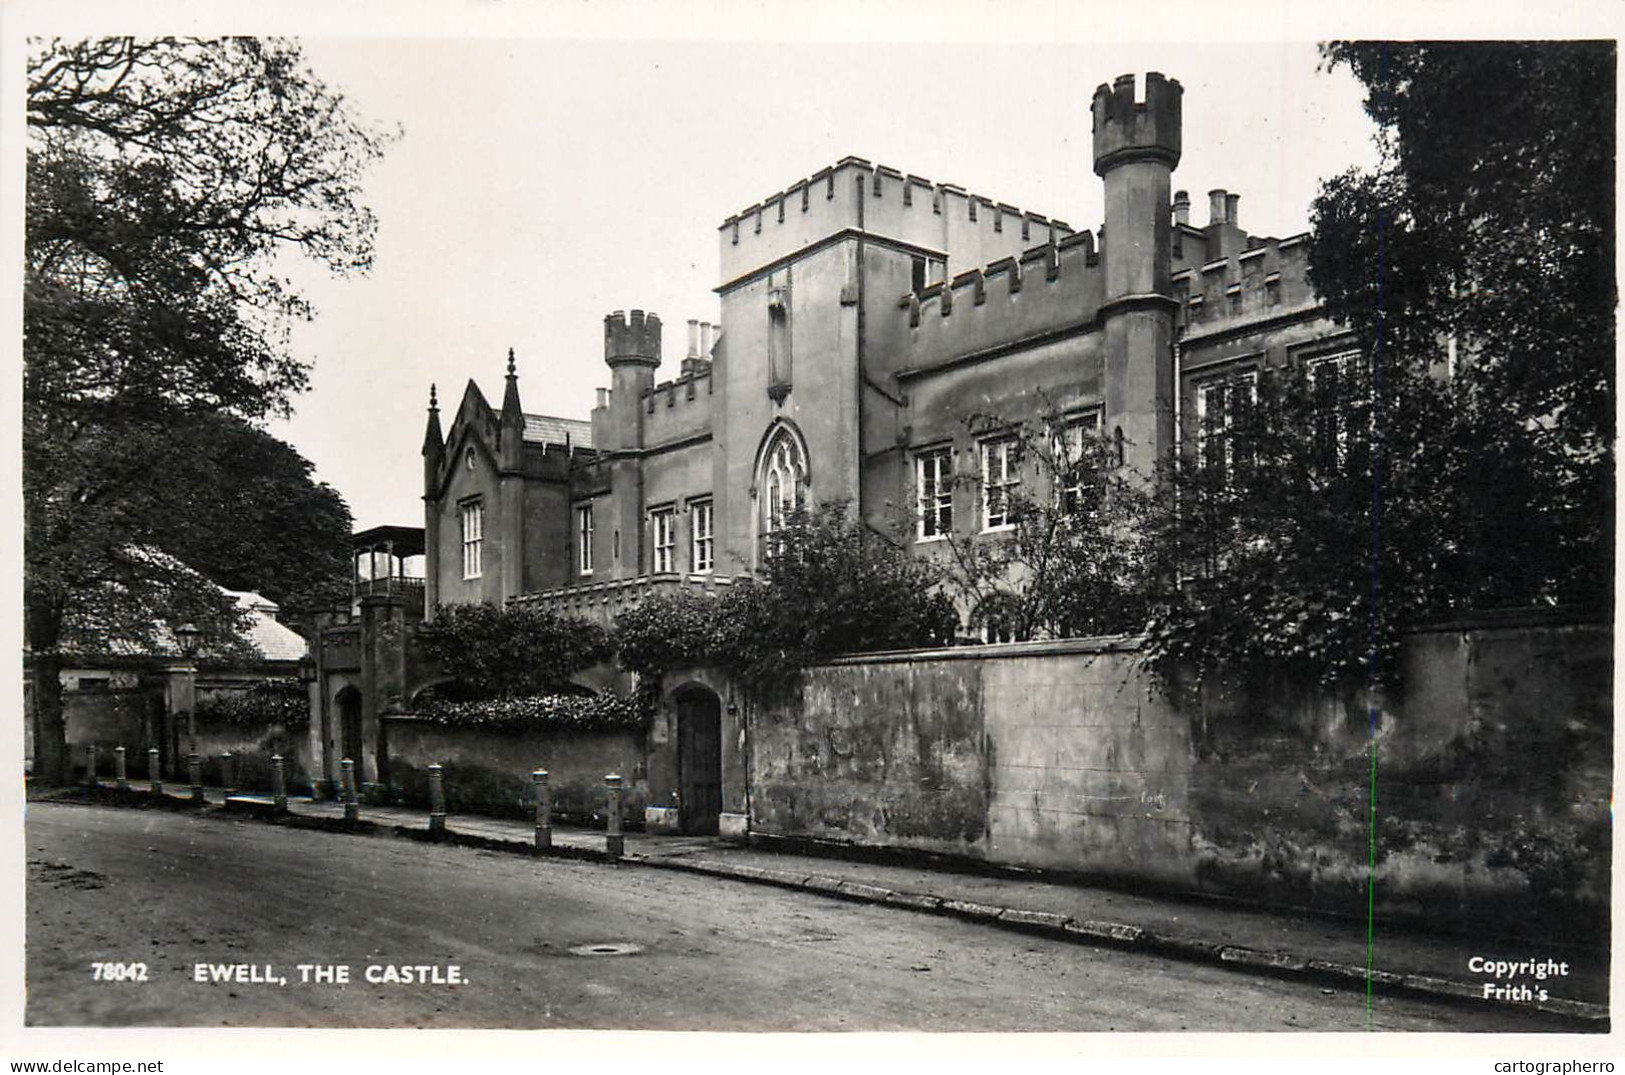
(1493, 774)
(487, 770)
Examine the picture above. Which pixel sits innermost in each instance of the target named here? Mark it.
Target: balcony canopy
(400, 541)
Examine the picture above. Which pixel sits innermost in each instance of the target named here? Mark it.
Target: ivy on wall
(281, 701)
(575, 712)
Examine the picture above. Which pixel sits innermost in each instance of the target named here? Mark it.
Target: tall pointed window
(782, 486)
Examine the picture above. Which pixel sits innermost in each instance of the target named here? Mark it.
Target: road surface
(133, 889)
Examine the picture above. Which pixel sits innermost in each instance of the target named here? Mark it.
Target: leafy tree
(242, 508)
(1073, 562)
(509, 651)
(1263, 539)
(830, 586)
(1476, 265)
(164, 177)
(1464, 460)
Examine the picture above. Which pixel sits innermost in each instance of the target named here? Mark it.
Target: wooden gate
(699, 760)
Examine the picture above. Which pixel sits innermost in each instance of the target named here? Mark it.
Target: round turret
(632, 339)
(1127, 130)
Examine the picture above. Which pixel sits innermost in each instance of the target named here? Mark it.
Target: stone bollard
(90, 766)
(155, 777)
(352, 809)
(227, 776)
(614, 842)
(544, 810)
(194, 774)
(437, 799)
(121, 776)
(279, 784)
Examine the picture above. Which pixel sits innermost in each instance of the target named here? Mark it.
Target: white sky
(565, 158)
(541, 184)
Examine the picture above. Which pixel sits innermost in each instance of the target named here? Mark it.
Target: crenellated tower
(632, 352)
(1136, 147)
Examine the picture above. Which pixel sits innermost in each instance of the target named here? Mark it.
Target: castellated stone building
(864, 313)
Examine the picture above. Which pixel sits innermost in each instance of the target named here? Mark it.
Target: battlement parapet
(940, 219)
(633, 338)
(1268, 277)
(1020, 297)
(1127, 130)
(692, 385)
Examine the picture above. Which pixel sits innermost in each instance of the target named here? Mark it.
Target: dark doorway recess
(699, 759)
(349, 702)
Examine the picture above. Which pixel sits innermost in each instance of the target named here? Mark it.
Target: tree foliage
(1476, 266)
(1074, 560)
(1265, 550)
(283, 701)
(1464, 460)
(164, 179)
(493, 651)
(830, 586)
(243, 508)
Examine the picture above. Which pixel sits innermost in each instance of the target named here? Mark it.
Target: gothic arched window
(784, 479)
(781, 485)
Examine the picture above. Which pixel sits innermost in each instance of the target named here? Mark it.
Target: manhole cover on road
(618, 948)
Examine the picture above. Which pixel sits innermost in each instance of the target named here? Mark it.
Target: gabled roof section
(276, 642)
(545, 429)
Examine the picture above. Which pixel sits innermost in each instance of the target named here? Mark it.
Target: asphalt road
(170, 891)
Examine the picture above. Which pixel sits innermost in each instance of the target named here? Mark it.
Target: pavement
(1336, 952)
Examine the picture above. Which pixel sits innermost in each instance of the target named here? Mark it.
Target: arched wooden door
(699, 760)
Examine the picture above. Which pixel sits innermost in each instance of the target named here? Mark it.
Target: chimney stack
(1232, 203)
(1182, 207)
(1216, 204)
(603, 397)
(693, 338)
(705, 340)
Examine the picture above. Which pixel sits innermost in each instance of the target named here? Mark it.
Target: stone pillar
(733, 824)
(352, 808)
(321, 723)
(544, 810)
(383, 671)
(180, 699)
(228, 773)
(279, 783)
(90, 766)
(194, 775)
(154, 774)
(121, 777)
(614, 842)
(437, 799)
